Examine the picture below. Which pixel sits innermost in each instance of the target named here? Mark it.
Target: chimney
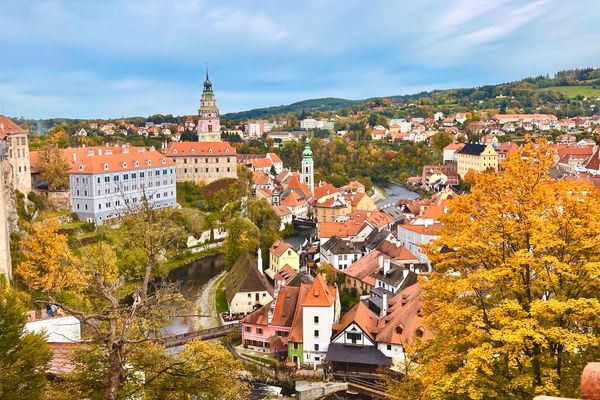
(386, 266)
(90, 152)
(74, 157)
(405, 272)
(260, 263)
(381, 263)
(99, 152)
(384, 305)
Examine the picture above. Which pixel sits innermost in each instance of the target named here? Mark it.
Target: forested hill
(324, 104)
(530, 92)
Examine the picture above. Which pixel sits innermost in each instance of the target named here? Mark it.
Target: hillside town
(337, 292)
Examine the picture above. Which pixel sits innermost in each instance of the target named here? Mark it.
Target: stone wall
(59, 200)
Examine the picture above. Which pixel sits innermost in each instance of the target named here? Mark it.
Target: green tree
(24, 356)
(267, 221)
(242, 235)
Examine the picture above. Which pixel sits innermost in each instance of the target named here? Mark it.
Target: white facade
(413, 240)
(353, 335)
(100, 196)
(65, 329)
(311, 123)
(317, 325)
(242, 302)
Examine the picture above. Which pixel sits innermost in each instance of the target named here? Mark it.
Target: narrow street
(207, 303)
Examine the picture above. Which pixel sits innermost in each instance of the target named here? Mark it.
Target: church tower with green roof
(209, 123)
(308, 167)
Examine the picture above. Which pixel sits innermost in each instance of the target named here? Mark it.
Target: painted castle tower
(209, 123)
(308, 167)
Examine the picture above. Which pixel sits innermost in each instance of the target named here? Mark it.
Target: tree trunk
(114, 364)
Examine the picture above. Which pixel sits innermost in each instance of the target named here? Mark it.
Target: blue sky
(107, 58)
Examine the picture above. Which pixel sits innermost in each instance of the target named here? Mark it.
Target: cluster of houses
(293, 310)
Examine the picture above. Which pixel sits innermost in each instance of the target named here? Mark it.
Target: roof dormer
(124, 164)
(174, 151)
(136, 163)
(105, 166)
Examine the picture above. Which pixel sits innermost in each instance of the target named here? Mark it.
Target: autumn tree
(24, 356)
(55, 170)
(125, 303)
(515, 297)
(47, 265)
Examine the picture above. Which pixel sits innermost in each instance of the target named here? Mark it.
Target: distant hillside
(529, 94)
(324, 104)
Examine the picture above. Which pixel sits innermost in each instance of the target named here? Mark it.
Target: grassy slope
(574, 91)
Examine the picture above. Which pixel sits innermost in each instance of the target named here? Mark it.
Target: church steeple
(308, 166)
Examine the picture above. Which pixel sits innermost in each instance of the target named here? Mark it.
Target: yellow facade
(487, 159)
(279, 259)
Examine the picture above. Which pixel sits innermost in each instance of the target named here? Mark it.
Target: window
(106, 179)
(259, 331)
(248, 329)
(316, 319)
(353, 337)
(389, 346)
(142, 174)
(133, 176)
(125, 177)
(295, 346)
(316, 347)
(316, 333)
(116, 178)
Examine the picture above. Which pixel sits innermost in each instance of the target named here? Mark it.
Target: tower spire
(206, 65)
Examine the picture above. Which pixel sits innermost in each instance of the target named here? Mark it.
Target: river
(394, 192)
(193, 277)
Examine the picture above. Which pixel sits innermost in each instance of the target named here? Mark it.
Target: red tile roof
(361, 316)
(294, 183)
(130, 161)
(319, 294)
(431, 230)
(293, 199)
(260, 178)
(282, 211)
(340, 229)
(403, 313)
(7, 127)
(190, 149)
(396, 252)
(365, 268)
(279, 247)
(324, 190)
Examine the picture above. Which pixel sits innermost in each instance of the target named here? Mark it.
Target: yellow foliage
(47, 263)
(515, 299)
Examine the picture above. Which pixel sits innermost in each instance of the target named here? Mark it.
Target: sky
(113, 58)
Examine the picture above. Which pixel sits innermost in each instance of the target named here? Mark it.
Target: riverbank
(207, 303)
(378, 194)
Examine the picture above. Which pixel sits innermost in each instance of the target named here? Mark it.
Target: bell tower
(308, 165)
(209, 123)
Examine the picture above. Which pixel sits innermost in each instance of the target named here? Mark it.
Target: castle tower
(209, 123)
(308, 167)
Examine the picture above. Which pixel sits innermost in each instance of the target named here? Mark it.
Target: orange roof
(324, 190)
(96, 164)
(282, 211)
(274, 158)
(72, 154)
(319, 294)
(354, 185)
(187, 149)
(355, 198)
(433, 212)
(261, 163)
(376, 218)
(260, 178)
(574, 151)
(7, 127)
(294, 183)
(431, 230)
(285, 273)
(402, 321)
(365, 268)
(293, 199)
(521, 117)
(361, 316)
(340, 229)
(396, 252)
(454, 146)
(279, 247)
(296, 335)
